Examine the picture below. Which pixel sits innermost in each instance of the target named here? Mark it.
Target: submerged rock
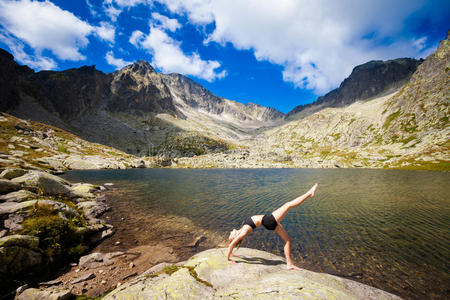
(257, 274)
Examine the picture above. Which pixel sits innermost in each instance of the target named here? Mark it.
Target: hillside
(408, 128)
(372, 79)
(136, 109)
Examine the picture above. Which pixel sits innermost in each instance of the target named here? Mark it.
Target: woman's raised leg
(282, 211)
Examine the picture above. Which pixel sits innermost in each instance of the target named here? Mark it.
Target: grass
(57, 236)
(391, 118)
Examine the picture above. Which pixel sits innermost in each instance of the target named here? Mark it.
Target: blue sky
(278, 53)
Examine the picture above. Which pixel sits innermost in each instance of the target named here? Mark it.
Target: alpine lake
(386, 228)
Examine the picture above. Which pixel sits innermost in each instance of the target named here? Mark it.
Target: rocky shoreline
(45, 223)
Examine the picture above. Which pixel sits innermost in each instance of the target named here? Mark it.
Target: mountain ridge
(371, 79)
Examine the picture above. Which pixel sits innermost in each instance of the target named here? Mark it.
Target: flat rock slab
(50, 294)
(18, 196)
(257, 275)
(84, 278)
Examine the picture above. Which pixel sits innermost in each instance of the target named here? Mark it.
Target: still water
(386, 228)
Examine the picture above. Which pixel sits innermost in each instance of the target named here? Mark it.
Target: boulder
(258, 274)
(26, 241)
(93, 209)
(97, 259)
(16, 259)
(49, 184)
(14, 207)
(10, 173)
(52, 293)
(84, 190)
(7, 186)
(18, 196)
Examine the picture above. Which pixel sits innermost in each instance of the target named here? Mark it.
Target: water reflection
(386, 228)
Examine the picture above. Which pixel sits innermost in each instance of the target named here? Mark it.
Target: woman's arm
(244, 232)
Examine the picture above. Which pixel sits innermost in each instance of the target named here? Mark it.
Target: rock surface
(257, 275)
(53, 293)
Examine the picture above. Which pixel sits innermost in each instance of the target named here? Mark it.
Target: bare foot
(292, 267)
(232, 262)
(312, 191)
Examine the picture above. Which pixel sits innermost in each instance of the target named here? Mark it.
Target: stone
(18, 196)
(257, 274)
(50, 283)
(16, 259)
(84, 190)
(10, 173)
(18, 207)
(93, 209)
(26, 241)
(49, 184)
(196, 242)
(7, 186)
(86, 277)
(14, 222)
(91, 260)
(97, 259)
(52, 293)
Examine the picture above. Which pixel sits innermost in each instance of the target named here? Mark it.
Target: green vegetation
(391, 118)
(169, 270)
(63, 148)
(408, 139)
(56, 235)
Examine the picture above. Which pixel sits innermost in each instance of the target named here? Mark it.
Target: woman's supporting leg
(282, 211)
(287, 247)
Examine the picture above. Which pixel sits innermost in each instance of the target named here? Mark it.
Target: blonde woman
(270, 222)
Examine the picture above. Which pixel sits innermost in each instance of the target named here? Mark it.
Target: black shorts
(269, 222)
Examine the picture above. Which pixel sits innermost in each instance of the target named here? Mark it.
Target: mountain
(407, 128)
(135, 109)
(390, 114)
(366, 81)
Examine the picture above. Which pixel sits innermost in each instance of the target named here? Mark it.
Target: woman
(270, 222)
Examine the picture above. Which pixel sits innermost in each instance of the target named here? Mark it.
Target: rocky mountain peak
(140, 67)
(368, 80)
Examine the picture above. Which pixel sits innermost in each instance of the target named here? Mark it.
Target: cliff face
(368, 80)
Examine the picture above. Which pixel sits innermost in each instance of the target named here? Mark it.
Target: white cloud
(165, 22)
(119, 63)
(38, 62)
(106, 32)
(113, 8)
(42, 25)
(198, 11)
(317, 42)
(168, 56)
(136, 38)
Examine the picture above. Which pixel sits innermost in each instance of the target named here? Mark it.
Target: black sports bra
(250, 223)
